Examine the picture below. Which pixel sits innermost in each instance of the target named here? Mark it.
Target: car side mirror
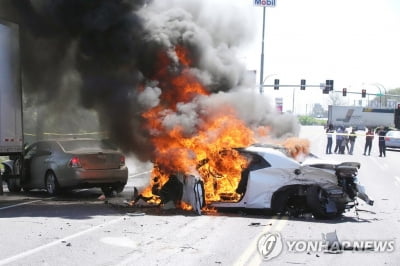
(297, 172)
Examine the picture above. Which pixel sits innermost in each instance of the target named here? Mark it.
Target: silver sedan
(74, 163)
(392, 139)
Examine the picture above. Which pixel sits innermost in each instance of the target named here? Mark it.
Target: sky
(353, 42)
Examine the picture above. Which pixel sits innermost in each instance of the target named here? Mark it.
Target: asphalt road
(78, 228)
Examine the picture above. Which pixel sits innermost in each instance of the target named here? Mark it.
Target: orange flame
(297, 147)
(215, 137)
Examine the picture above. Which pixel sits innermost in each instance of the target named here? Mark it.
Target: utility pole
(262, 54)
(263, 4)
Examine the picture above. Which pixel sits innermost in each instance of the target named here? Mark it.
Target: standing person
(343, 145)
(368, 141)
(339, 139)
(381, 141)
(352, 141)
(329, 134)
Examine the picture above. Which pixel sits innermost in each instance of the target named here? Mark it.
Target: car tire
(279, 201)
(287, 202)
(317, 199)
(51, 183)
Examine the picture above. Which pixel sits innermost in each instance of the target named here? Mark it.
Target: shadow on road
(81, 204)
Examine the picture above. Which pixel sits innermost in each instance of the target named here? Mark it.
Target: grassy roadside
(2, 158)
(309, 120)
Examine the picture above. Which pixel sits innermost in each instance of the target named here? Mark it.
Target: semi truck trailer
(11, 131)
(360, 117)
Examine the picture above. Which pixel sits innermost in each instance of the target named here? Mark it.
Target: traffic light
(363, 93)
(303, 84)
(344, 92)
(276, 84)
(329, 84)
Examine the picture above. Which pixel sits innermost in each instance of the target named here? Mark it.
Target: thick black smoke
(106, 52)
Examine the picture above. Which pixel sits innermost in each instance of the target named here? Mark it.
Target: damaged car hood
(328, 164)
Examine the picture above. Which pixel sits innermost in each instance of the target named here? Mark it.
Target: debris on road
(259, 224)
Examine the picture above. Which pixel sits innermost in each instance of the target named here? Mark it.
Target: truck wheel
(317, 199)
(13, 185)
(51, 183)
(26, 189)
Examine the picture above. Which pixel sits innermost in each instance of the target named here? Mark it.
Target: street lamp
(379, 86)
(263, 81)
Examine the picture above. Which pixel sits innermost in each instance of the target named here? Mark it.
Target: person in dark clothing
(329, 134)
(368, 141)
(345, 143)
(339, 139)
(381, 141)
(352, 141)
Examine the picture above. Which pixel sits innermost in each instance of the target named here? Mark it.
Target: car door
(271, 173)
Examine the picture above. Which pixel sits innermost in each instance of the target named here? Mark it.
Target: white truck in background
(360, 117)
(11, 131)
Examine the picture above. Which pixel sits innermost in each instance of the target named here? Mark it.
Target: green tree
(317, 110)
(393, 94)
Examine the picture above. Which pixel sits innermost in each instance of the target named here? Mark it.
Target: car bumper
(89, 178)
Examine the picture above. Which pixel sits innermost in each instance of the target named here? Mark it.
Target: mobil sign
(264, 3)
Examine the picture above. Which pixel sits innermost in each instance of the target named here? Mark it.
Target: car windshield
(74, 145)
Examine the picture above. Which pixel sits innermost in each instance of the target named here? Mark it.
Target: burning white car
(273, 180)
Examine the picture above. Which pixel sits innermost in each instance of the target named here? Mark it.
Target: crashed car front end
(329, 188)
(345, 185)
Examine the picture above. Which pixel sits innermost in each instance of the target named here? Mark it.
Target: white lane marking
(57, 242)
(133, 175)
(251, 251)
(378, 162)
(119, 241)
(258, 259)
(19, 204)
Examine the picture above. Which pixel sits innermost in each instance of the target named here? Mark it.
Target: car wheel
(287, 202)
(51, 183)
(317, 200)
(279, 201)
(107, 190)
